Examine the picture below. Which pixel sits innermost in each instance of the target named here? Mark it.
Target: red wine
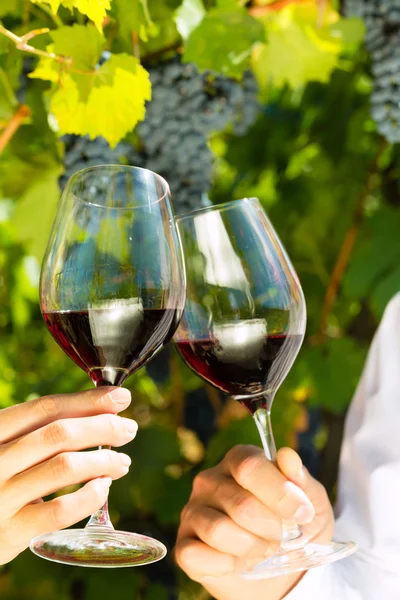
(111, 343)
(242, 363)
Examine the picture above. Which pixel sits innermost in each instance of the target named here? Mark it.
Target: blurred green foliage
(321, 172)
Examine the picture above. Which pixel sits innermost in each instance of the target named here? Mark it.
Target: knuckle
(202, 482)
(49, 406)
(215, 530)
(114, 425)
(111, 460)
(62, 466)
(242, 506)
(99, 495)
(321, 492)
(55, 434)
(188, 512)
(102, 401)
(57, 513)
(235, 453)
(182, 555)
(185, 513)
(247, 470)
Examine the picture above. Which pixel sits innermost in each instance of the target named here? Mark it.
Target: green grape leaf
(8, 101)
(224, 41)
(10, 7)
(155, 448)
(162, 13)
(104, 583)
(84, 44)
(386, 288)
(134, 15)
(370, 264)
(115, 102)
(96, 10)
(5, 44)
(35, 211)
(175, 494)
(335, 370)
(188, 16)
(239, 431)
(229, 4)
(297, 50)
(351, 31)
(156, 592)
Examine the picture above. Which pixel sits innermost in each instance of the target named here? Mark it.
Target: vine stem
(22, 112)
(21, 44)
(346, 249)
(135, 45)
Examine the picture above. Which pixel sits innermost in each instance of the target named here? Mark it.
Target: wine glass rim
(221, 206)
(164, 182)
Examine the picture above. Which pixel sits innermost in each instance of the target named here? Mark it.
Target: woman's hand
(233, 520)
(39, 444)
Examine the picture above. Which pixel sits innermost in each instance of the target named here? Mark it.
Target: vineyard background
(281, 105)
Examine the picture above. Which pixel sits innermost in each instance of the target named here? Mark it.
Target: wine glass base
(312, 555)
(94, 547)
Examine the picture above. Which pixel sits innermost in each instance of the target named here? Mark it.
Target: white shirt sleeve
(368, 506)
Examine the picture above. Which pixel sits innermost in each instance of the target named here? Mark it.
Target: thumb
(291, 466)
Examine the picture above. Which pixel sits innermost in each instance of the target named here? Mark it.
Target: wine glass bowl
(242, 328)
(112, 292)
(244, 306)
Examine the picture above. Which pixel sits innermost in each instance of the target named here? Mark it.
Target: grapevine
(382, 23)
(173, 139)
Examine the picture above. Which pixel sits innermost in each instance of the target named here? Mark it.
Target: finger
(224, 494)
(199, 560)
(65, 469)
(61, 436)
(255, 473)
(218, 531)
(21, 419)
(290, 464)
(63, 511)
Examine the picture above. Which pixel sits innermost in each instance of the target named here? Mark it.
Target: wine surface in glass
(240, 366)
(111, 343)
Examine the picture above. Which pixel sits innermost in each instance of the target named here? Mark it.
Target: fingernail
(301, 475)
(106, 481)
(120, 396)
(305, 511)
(131, 426)
(304, 514)
(126, 461)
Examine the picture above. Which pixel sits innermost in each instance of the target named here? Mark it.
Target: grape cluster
(186, 107)
(382, 23)
(82, 152)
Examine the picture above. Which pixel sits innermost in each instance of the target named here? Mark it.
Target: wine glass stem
(101, 518)
(292, 537)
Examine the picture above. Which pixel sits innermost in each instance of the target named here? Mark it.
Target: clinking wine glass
(242, 328)
(112, 292)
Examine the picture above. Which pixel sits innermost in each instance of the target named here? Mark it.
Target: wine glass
(243, 325)
(112, 292)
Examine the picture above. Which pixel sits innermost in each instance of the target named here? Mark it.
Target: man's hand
(233, 520)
